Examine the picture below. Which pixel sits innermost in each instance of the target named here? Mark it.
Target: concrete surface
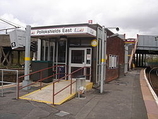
(122, 99)
(46, 93)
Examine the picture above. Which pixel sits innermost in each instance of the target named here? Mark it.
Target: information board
(17, 38)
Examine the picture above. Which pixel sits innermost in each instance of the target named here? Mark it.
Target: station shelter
(79, 45)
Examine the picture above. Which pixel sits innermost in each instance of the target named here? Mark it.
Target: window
(61, 51)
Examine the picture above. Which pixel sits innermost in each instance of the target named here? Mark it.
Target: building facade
(74, 46)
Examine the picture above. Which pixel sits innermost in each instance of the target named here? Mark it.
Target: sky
(131, 16)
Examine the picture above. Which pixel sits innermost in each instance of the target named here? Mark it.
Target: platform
(123, 98)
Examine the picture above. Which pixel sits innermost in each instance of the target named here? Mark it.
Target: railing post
(53, 92)
(18, 90)
(71, 86)
(41, 75)
(17, 85)
(2, 83)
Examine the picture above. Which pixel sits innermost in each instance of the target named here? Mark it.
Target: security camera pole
(26, 80)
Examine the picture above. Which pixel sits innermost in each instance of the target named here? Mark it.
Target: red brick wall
(115, 46)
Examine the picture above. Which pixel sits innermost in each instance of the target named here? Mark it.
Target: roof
(94, 26)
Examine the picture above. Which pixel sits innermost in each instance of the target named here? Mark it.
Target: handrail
(41, 70)
(54, 82)
(40, 80)
(54, 94)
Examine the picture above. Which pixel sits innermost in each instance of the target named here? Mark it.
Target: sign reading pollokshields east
(17, 38)
(63, 31)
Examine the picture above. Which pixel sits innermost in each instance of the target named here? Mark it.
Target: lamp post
(103, 54)
(26, 80)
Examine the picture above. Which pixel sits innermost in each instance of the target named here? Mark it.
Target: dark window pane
(77, 56)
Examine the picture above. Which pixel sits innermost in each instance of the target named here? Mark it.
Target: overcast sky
(131, 16)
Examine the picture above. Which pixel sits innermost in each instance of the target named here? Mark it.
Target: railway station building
(75, 46)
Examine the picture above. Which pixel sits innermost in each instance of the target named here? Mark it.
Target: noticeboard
(17, 38)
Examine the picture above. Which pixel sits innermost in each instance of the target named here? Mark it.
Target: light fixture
(63, 38)
(117, 28)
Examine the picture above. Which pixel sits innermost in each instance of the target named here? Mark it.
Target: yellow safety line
(29, 93)
(67, 98)
(36, 100)
(23, 97)
(34, 91)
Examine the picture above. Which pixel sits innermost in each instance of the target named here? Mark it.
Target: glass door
(80, 57)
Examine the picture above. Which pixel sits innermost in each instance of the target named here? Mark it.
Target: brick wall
(115, 46)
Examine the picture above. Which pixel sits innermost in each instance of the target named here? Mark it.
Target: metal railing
(2, 79)
(132, 53)
(40, 80)
(54, 81)
(70, 85)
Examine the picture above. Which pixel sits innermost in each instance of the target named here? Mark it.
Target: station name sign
(63, 31)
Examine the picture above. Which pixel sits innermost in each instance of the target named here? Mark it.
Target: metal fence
(6, 82)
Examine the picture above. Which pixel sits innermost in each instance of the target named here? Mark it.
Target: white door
(80, 57)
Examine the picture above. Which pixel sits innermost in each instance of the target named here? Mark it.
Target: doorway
(80, 57)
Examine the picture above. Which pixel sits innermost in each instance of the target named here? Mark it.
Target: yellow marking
(102, 60)
(29, 93)
(129, 42)
(88, 87)
(37, 100)
(64, 100)
(94, 43)
(27, 58)
(59, 103)
(34, 91)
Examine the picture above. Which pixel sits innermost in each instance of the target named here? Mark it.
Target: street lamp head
(117, 29)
